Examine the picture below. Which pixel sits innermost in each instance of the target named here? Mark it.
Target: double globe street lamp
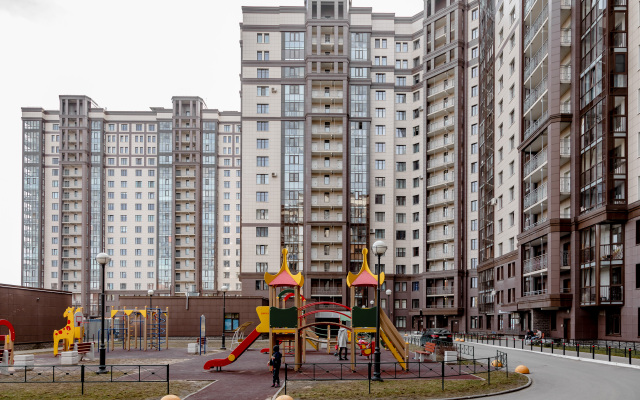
(102, 259)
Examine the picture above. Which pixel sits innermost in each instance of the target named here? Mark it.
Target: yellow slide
(395, 342)
(312, 338)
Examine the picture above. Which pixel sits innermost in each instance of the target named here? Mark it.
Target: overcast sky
(125, 55)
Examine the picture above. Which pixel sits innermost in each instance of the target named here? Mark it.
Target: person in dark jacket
(275, 362)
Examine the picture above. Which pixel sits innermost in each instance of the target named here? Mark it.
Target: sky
(125, 55)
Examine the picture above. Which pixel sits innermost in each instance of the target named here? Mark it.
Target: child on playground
(274, 362)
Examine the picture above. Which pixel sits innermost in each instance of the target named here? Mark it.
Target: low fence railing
(85, 374)
(392, 370)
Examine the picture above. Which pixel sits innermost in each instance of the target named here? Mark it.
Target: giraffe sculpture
(69, 333)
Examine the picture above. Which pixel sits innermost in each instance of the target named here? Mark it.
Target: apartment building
(145, 186)
(453, 135)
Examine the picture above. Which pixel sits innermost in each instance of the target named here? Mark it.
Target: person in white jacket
(342, 343)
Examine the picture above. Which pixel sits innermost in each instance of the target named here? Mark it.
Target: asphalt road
(560, 378)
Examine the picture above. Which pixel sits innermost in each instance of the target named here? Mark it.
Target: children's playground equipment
(238, 335)
(146, 329)
(293, 325)
(6, 342)
(71, 332)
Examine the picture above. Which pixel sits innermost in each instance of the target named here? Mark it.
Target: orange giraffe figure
(68, 334)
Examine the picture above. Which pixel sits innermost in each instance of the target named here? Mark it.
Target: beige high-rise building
(147, 187)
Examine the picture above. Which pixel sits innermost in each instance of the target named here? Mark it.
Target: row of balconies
(535, 94)
(437, 217)
(535, 60)
(535, 196)
(441, 162)
(435, 145)
(535, 264)
(536, 124)
(613, 294)
(439, 236)
(440, 254)
(529, 33)
(535, 162)
(439, 267)
(439, 290)
(437, 199)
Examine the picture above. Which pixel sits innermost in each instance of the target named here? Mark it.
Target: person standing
(275, 362)
(342, 342)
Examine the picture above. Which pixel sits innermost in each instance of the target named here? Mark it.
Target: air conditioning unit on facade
(493, 201)
(274, 90)
(273, 174)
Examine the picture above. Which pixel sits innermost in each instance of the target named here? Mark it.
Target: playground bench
(429, 350)
(85, 348)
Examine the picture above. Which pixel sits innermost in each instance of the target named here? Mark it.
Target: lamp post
(389, 302)
(102, 259)
(379, 248)
(150, 293)
(224, 289)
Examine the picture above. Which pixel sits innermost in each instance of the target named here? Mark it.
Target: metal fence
(393, 370)
(85, 374)
(627, 350)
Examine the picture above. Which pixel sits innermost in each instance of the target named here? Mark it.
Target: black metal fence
(393, 370)
(85, 374)
(627, 350)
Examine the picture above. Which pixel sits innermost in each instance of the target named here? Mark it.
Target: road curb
(603, 362)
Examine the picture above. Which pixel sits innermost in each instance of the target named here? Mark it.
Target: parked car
(436, 334)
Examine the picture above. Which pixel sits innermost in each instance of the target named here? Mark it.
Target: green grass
(72, 391)
(404, 389)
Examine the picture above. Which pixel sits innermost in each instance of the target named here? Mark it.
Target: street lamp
(379, 248)
(150, 293)
(102, 259)
(389, 302)
(224, 289)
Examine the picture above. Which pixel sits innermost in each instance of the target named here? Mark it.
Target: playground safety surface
(248, 378)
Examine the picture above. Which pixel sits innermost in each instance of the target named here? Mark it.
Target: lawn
(72, 391)
(404, 389)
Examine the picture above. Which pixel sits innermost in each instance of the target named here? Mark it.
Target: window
(474, 205)
(262, 197)
(380, 164)
(262, 55)
(263, 109)
(263, 38)
(474, 187)
(261, 249)
(381, 95)
(474, 72)
(380, 147)
(262, 144)
(381, 78)
(474, 14)
(262, 161)
(474, 148)
(380, 181)
(379, 199)
(381, 130)
(381, 112)
(262, 231)
(263, 91)
(263, 126)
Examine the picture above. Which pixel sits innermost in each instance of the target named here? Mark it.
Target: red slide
(235, 354)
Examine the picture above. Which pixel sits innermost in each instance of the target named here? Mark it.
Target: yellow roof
(365, 277)
(284, 277)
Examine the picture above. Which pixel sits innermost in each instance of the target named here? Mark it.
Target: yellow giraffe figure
(70, 332)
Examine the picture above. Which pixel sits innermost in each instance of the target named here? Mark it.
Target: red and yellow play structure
(6, 343)
(72, 331)
(293, 324)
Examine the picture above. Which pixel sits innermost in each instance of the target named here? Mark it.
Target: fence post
(167, 378)
(578, 349)
(369, 375)
(629, 355)
(489, 370)
(541, 349)
(563, 348)
(442, 364)
(551, 347)
(81, 377)
(522, 344)
(285, 378)
(609, 352)
(593, 352)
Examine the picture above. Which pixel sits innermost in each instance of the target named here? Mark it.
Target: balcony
(530, 224)
(439, 254)
(443, 88)
(439, 291)
(535, 60)
(326, 291)
(327, 94)
(529, 34)
(565, 37)
(437, 199)
(440, 181)
(440, 108)
(535, 94)
(448, 266)
(327, 110)
(321, 148)
(536, 124)
(439, 127)
(565, 4)
(439, 236)
(439, 217)
(440, 306)
(565, 260)
(611, 253)
(565, 185)
(535, 162)
(565, 74)
(565, 147)
(535, 196)
(442, 144)
(535, 264)
(535, 292)
(611, 294)
(440, 162)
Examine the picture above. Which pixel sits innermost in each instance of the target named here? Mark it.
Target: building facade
(452, 135)
(144, 186)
